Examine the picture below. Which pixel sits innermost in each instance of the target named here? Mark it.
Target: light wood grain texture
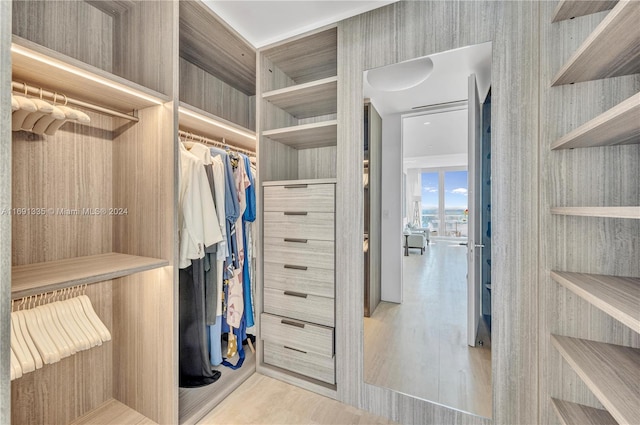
(309, 364)
(46, 171)
(311, 58)
(612, 372)
(5, 219)
(617, 296)
(207, 41)
(317, 163)
(312, 225)
(298, 305)
(611, 50)
(32, 279)
(112, 7)
(297, 334)
(271, 404)
(307, 100)
(61, 392)
(577, 414)
(297, 196)
(280, 162)
(300, 252)
(204, 91)
(611, 212)
(196, 403)
(55, 72)
(205, 124)
(91, 42)
(112, 412)
(300, 181)
(305, 136)
(314, 281)
(569, 9)
(618, 126)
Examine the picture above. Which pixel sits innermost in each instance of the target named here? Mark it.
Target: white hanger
(15, 105)
(28, 363)
(16, 370)
(26, 107)
(22, 353)
(85, 323)
(70, 115)
(40, 339)
(56, 318)
(22, 325)
(54, 333)
(42, 108)
(105, 335)
(74, 331)
(46, 327)
(86, 333)
(44, 122)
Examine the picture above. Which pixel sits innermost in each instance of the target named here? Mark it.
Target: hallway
(419, 347)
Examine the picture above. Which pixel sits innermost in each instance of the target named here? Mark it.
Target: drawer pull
(295, 294)
(292, 323)
(295, 240)
(295, 349)
(295, 186)
(295, 213)
(290, 266)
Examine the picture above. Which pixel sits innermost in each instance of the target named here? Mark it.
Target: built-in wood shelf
(611, 50)
(307, 100)
(32, 279)
(578, 414)
(112, 412)
(619, 297)
(569, 9)
(307, 181)
(617, 126)
(41, 67)
(306, 136)
(609, 212)
(208, 125)
(612, 373)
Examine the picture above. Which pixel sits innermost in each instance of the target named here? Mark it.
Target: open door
(474, 246)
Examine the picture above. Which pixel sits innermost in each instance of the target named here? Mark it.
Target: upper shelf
(307, 100)
(311, 58)
(39, 66)
(619, 297)
(577, 414)
(208, 42)
(205, 124)
(33, 279)
(617, 126)
(611, 50)
(306, 136)
(569, 9)
(611, 372)
(608, 212)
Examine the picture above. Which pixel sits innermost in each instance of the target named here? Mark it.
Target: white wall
(391, 209)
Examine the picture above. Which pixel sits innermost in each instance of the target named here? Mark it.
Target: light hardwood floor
(419, 347)
(264, 400)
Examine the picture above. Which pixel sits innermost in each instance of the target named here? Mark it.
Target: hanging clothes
(249, 216)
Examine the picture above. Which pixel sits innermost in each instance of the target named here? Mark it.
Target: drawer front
(300, 197)
(300, 252)
(299, 225)
(312, 281)
(309, 364)
(297, 334)
(296, 305)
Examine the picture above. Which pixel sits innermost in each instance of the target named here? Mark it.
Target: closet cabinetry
(610, 371)
(108, 205)
(297, 86)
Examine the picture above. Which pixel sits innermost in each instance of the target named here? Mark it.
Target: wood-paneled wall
(5, 203)
(605, 176)
(403, 31)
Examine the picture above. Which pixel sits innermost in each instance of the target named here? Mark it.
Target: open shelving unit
(578, 414)
(612, 49)
(306, 136)
(319, 97)
(569, 9)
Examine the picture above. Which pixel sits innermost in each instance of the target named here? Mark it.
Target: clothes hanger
(26, 107)
(42, 108)
(42, 341)
(43, 123)
(70, 115)
(85, 342)
(56, 319)
(24, 358)
(22, 324)
(105, 335)
(90, 333)
(55, 333)
(15, 105)
(16, 370)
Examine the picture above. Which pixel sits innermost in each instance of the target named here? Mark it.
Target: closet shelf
(32, 279)
(307, 100)
(205, 124)
(611, 372)
(611, 50)
(619, 297)
(617, 126)
(112, 412)
(41, 67)
(569, 9)
(306, 136)
(577, 414)
(608, 212)
(307, 181)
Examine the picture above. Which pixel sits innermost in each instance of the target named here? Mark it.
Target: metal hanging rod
(221, 144)
(24, 88)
